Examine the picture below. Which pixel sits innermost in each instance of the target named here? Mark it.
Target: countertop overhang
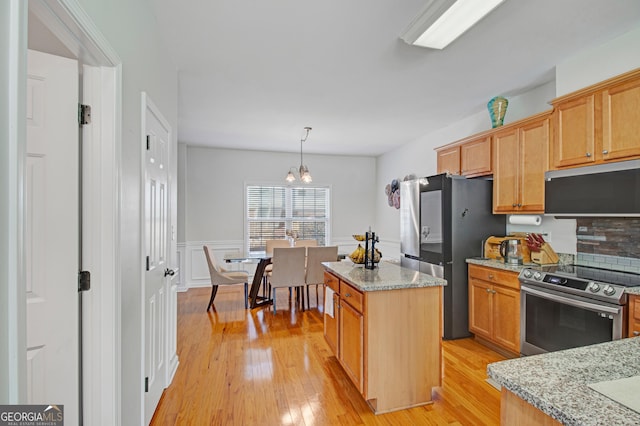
(557, 382)
(385, 276)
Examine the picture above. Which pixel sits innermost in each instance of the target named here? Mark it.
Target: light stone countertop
(556, 382)
(386, 276)
(492, 263)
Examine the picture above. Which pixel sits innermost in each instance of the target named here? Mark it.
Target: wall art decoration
(392, 190)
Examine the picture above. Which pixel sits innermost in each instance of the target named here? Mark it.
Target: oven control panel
(570, 284)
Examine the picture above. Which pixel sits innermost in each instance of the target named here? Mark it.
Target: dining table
(262, 259)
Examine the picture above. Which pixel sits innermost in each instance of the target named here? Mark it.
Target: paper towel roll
(525, 219)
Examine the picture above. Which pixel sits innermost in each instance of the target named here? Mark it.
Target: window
(274, 210)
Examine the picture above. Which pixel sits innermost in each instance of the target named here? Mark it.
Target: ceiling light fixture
(443, 21)
(305, 176)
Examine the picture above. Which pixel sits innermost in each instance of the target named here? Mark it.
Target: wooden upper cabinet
(621, 121)
(505, 171)
(574, 134)
(533, 157)
(475, 157)
(449, 160)
(520, 160)
(598, 124)
(470, 157)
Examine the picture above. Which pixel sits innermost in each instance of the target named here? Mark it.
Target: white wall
(216, 179)
(597, 63)
(130, 28)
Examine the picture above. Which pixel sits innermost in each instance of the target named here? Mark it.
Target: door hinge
(84, 281)
(146, 384)
(84, 114)
(147, 263)
(148, 142)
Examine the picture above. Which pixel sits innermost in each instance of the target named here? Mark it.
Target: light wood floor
(248, 367)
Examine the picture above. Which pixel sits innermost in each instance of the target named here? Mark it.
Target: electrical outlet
(547, 236)
(583, 229)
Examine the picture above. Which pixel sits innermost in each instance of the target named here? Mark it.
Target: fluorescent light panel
(443, 21)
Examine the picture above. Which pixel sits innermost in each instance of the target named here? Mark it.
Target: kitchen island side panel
(403, 345)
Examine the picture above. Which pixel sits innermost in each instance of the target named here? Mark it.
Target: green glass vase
(497, 109)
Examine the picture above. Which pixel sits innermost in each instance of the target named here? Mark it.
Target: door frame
(101, 205)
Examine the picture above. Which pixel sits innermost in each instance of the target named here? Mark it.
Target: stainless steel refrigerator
(443, 221)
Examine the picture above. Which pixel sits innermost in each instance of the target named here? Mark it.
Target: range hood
(603, 190)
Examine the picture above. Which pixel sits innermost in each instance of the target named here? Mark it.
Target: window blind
(274, 210)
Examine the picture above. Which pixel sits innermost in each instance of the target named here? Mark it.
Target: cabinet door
(533, 154)
(621, 121)
(331, 326)
(351, 343)
(449, 160)
(475, 157)
(574, 132)
(505, 172)
(506, 317)
(480, 316)
(634, 316)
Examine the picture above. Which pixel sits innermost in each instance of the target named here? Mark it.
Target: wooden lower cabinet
(351, 343)
(634, 316)
(331, 322)
(494, 306)
(388, 343)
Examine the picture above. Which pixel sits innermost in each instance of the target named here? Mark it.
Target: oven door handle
(569, 301)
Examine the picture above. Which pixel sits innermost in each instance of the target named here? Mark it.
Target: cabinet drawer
(492, 275)
(352, 296)
(332, 282)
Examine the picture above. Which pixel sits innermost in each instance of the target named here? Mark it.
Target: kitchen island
(384, 327)
(553, 388)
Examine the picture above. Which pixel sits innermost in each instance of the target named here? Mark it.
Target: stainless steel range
(566, 306)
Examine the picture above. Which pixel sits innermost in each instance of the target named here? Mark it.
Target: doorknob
(170, 272)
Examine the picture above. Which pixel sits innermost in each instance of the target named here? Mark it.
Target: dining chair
(269, 246)
(220, 276)
(288, 270)
(315, 271)
(306, 243)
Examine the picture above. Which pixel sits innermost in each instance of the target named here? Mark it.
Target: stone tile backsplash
(612, 243)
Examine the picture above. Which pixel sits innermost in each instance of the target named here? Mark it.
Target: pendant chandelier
(303, 171)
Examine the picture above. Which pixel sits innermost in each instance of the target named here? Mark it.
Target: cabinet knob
(519, 205)
(636, 333)
(347, 295)
(490, 276)
(513, 205)
(488, 290)
(588, 154)
(605, 152)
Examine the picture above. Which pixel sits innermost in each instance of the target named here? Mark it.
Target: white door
(158, 133)
(52, 232)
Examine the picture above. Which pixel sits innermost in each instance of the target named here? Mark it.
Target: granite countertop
(386, 276)
(493, 263)
(497, 264)
(557, 382)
